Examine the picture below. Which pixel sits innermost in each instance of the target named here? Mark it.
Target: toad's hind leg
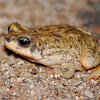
(90, 59)
(68, 68)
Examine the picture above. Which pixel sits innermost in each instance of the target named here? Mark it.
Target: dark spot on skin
(38, 49)
(33, 48)
(41, 29)
(66, 31)
(33, 39)
(39, 44)
(47, 29)
(71, 38)
(35, 31)
(53, 47)
(60, 27)
(58, 46)
(69, 27)
(56, 40)
(42, 53)
(51, 32)
(36, 36)
(57, 35)
(76, 46)
(8, 39)
(99, 53)
(45, 42)
(16, 35)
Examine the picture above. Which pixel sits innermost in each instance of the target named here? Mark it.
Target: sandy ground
(23, 80)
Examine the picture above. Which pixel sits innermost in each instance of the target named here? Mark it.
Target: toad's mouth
(24, 52)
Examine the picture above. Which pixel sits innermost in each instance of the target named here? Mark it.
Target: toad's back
(64, 37)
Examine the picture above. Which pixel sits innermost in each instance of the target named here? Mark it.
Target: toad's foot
(95, 73)
(68, 68)
(90, 59)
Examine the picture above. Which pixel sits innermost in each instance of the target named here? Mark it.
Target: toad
(56, 46)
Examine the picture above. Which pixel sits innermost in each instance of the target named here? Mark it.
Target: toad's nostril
(8, 39)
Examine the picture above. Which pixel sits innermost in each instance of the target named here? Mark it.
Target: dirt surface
(23, 80)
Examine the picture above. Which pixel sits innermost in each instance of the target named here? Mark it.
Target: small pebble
(89, 94)
(31, 86)
(80, 87)
(77, 98)
(11, 90)
(78, 76)
(20, 62)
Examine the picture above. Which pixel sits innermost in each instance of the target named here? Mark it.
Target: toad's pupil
(24, 42)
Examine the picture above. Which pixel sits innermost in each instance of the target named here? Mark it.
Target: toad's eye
(24, 41)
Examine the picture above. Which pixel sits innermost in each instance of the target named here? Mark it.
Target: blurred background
(37, 13)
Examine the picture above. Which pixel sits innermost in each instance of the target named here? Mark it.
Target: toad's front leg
(68, 67)
(91, 59)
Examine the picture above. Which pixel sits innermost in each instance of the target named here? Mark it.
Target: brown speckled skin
(56, 46)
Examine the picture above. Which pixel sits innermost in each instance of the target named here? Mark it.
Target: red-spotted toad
(57, 46)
